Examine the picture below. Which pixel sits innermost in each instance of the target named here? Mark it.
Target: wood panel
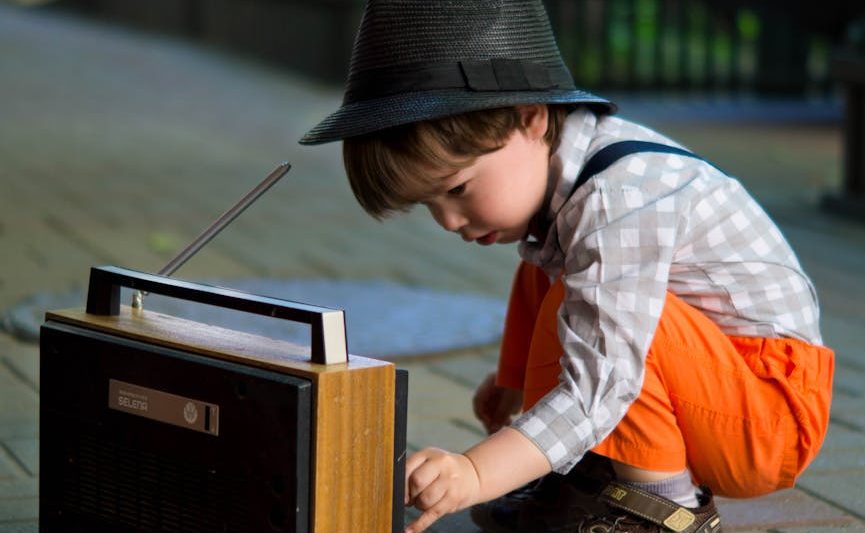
(353, 474)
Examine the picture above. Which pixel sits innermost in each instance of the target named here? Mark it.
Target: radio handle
(328, 343)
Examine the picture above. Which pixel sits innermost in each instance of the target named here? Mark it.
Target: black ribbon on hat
(506, 75)
(497, 74)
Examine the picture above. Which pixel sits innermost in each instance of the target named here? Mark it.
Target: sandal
(631, 510)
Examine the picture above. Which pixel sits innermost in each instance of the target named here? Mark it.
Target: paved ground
(117, 147)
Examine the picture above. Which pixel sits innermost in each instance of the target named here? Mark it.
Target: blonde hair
(390, 170)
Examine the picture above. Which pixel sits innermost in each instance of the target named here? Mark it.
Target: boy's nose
(449, 219)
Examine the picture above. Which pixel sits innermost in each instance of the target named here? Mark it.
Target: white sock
(678, 488)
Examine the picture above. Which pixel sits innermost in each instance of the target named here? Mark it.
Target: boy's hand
(439, 482)
(495, 406)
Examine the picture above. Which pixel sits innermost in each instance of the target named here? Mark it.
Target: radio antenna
(213, 229)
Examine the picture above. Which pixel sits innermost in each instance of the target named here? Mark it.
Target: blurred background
(127, 126)
(764, 47)
(803, 63)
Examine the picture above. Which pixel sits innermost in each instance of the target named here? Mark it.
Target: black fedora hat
(416, 60)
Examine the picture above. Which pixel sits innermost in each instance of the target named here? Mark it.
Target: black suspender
(605, 157)
(611, 153)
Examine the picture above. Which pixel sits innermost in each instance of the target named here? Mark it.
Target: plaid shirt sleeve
(651, 223)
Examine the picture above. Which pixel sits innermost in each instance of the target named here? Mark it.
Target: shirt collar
(568, 159)
(565, 164)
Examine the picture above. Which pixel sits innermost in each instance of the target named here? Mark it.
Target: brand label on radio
(163, 406)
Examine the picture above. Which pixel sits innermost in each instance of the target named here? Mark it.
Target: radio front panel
(140, 437)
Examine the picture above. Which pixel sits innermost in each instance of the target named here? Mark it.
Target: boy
(658, 319)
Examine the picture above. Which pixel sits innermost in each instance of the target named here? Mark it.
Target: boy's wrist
(505, 461)
(472, 473)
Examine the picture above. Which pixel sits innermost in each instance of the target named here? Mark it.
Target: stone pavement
(117, 147)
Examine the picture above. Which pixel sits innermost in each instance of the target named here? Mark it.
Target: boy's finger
(423, 474)
(425, 520)
(414, 462)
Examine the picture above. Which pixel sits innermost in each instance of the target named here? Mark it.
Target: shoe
(555, 502)
(632, 510)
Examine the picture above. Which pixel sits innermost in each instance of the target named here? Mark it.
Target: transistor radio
(150, 422)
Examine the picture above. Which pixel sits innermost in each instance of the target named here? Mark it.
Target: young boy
(659, 319)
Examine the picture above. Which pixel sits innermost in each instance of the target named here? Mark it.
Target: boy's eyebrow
(448, 176)
(446, 183)
(436, 185)
(439, 187)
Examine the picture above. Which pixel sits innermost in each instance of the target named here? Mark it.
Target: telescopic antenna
(213, 229)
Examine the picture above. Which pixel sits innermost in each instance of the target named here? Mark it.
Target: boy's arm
(440, 482)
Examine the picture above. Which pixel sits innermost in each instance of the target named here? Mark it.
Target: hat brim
(368, 116)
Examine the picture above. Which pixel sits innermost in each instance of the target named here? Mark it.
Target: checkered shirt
(649, 223)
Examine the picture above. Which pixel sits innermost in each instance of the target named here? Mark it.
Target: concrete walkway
(117, 147)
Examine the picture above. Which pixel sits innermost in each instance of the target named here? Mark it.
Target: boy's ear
(534, 119)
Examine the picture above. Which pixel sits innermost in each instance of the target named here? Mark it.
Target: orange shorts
(745, 415)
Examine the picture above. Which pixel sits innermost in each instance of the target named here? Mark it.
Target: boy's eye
(458, 190)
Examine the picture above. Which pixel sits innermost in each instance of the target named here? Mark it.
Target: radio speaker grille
(135, 488)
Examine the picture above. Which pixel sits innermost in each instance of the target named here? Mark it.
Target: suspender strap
(608, 155)
(611, 153)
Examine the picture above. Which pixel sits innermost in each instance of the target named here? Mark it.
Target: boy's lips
(488, 239)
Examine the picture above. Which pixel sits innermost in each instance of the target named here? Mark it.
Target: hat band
(498, 74)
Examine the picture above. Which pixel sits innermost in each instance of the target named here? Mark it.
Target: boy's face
(494, 199)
